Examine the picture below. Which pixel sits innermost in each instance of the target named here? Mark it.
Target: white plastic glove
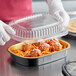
(5, 30)
(56, 9)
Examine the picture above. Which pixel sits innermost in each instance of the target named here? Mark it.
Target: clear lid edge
(63, 33)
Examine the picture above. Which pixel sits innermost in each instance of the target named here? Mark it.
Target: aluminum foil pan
(35, 61)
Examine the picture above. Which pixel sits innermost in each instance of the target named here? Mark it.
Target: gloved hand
(56, 9)
(5, 30)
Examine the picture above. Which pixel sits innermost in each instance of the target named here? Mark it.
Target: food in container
(72, 29)
(72, 25)
(32, 48)
(37, 55)
(55, 44)
(26, 46)
(38, 42)
(44, 47)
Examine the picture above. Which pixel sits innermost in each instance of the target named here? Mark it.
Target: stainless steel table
(8, 68)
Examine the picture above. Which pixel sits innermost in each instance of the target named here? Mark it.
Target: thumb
(58, 16)
(65, 17)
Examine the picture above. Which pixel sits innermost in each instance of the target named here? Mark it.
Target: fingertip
(2, 43)
(8, 39)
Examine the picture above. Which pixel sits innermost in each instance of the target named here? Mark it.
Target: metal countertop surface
(7, 68)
